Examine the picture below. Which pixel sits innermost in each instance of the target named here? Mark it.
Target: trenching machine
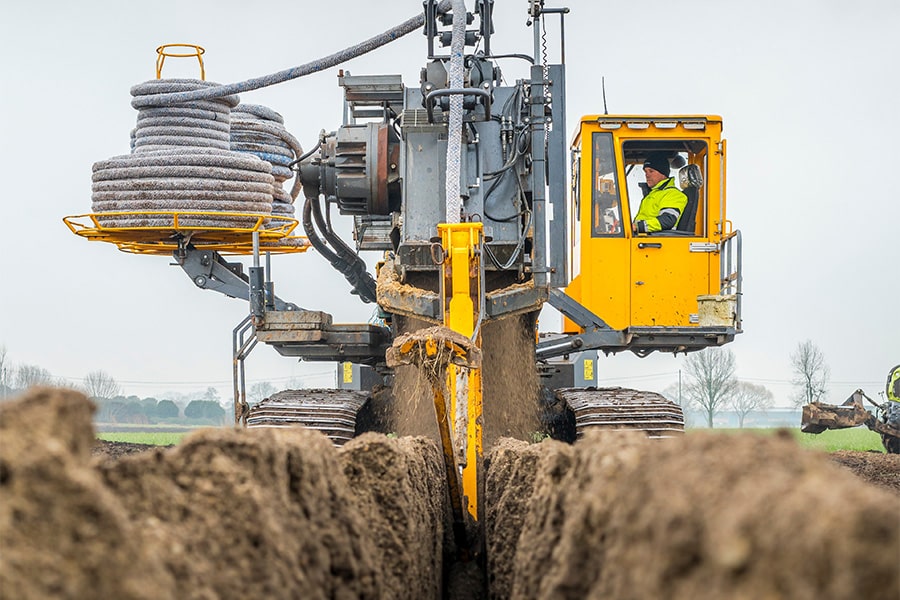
(481, 210)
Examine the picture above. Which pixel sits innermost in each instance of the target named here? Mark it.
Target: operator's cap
(658, 162)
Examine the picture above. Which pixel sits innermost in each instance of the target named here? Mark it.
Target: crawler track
(331, 411)
(623, 408)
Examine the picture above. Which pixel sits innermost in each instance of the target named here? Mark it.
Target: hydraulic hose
(341, 258)
(452, 197)
(373, 43)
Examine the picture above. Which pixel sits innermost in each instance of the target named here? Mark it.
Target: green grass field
(154, 438)
(858, 439)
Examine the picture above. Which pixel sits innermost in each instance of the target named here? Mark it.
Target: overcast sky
(808, 91)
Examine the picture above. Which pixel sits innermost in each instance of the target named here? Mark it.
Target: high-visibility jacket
(893, 384)
(661, 208)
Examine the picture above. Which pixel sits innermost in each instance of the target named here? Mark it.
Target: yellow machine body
(640, 280)
(462, 292)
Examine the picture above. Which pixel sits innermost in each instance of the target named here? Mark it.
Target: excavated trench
(284, 514)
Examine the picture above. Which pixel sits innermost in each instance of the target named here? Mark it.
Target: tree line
(113, 406)
(712, 386)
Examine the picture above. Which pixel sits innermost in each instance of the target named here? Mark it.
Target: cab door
(667, 275)
(670, 269)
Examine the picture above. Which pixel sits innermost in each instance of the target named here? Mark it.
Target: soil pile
(283, 514)
(618, 516)
(881, 469)
(400, 492)
(114, 450)
(64, 534)
(511, 468)
(226, 514)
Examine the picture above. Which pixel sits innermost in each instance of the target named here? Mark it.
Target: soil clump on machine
(511, 387)
(283, 513)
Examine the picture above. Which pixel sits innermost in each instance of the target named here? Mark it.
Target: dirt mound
(880, 469)
(511, 468)
(64, 534)
(283, 514)
(105, 450)
(400, 492)
(704, 516)
(226, 514)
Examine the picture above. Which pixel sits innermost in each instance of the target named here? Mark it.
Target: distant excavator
(885, 421)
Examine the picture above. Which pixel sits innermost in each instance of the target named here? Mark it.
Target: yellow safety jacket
(661, 208)
(893, 384)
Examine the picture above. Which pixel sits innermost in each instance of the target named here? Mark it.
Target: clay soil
(284, 514)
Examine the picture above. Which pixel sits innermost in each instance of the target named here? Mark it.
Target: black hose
(347, 262)
(309, 68)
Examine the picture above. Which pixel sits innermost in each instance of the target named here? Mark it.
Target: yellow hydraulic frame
(450, 357)
(462, 292)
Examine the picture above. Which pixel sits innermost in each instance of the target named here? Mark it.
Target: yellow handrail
(163, 51)
(274, 231)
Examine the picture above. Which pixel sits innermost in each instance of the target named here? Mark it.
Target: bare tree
(260, 391)
(99, 384)
(710, 380)
(7, 374)
(677, 394)
(748, 397)
(810, 373)
(31, 375)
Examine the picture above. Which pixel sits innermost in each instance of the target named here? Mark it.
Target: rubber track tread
(331, 411)
(623, 408)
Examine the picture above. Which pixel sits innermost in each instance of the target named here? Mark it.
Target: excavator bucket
(818, 416)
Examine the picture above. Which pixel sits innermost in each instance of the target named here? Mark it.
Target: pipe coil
(259, 131)
(181, 161)
(185, 142)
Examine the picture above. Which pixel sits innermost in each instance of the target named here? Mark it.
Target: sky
(807, 90)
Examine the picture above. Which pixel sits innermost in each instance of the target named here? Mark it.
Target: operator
(661, 208)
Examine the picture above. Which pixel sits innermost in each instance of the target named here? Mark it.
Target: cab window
(606, 209)
(682, 154)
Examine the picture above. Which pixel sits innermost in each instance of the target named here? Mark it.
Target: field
(150, 438)
(285, 514)
(858, 439)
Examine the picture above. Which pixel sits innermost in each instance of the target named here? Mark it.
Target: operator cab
(673, 289)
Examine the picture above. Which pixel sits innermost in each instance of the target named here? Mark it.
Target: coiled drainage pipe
(203, 124)
(182, 179)
(188, 154)
(182, 161)
(260, 131)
